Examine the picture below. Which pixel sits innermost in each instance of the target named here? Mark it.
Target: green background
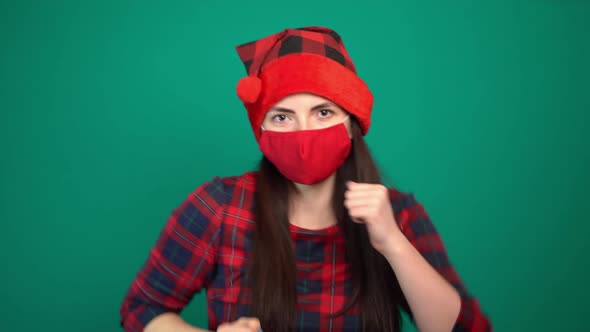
(113, 111)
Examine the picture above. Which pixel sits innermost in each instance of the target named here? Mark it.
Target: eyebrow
(288, 110)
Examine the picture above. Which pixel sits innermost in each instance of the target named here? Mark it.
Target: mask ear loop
(343, 121)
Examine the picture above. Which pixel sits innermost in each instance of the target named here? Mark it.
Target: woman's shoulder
(222, 188)
(401, 200)
(409, 213)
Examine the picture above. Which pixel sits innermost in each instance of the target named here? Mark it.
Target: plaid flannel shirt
(205, 244)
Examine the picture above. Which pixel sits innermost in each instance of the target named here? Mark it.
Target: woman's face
(304, 111)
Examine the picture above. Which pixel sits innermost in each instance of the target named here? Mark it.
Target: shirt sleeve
(415, 223)
(182, 260)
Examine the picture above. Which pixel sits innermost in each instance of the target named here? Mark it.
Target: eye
(279, 118)
(325, 113)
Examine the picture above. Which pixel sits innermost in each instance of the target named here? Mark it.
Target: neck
(310, 206)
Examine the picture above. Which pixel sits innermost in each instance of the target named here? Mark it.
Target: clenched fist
(369, 204)
(244, 324)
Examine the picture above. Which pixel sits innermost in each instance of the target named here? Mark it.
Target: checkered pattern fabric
(205, 245)
(312, 40)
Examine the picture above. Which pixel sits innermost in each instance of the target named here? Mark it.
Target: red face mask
(307, 156)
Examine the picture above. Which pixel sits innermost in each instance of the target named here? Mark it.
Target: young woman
(312, 241)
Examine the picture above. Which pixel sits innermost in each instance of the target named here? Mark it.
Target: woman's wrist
(397, 247)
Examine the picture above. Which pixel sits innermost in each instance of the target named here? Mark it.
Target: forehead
(301, 101)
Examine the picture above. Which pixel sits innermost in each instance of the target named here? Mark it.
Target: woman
(312, 241)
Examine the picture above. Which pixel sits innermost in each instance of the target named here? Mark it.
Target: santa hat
(310, 59)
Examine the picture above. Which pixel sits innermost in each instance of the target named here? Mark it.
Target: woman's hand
(244, 324)
(369, 204)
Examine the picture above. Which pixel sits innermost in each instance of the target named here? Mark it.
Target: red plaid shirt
(206, 241)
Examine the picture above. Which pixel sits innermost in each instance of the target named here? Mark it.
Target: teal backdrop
(113, 111)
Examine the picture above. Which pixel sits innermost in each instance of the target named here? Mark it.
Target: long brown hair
(272, 270)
